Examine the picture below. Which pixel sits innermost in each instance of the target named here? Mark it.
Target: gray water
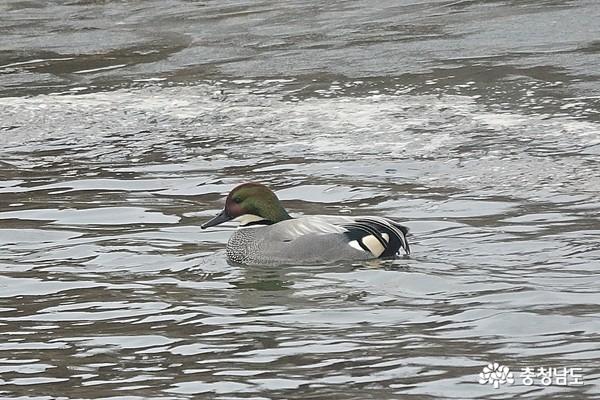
(123, 125)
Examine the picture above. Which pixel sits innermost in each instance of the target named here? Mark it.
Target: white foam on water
(439, 140)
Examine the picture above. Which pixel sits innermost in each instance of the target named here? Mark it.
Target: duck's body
(268, 235)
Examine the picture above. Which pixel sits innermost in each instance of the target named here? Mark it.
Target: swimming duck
(267, 234)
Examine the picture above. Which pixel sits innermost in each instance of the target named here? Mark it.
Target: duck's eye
(237, 200)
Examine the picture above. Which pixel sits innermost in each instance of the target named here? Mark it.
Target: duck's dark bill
(219, 219)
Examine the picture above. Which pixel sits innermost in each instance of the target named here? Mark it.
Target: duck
(268, 235)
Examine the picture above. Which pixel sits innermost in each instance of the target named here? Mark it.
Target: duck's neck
(269, 216)
(253, 220)
(277, 214)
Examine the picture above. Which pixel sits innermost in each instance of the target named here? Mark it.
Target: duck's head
(250, 203)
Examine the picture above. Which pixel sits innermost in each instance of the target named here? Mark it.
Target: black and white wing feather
(381, 237)
(375, 236)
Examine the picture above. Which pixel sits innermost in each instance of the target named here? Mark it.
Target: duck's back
(305, 240)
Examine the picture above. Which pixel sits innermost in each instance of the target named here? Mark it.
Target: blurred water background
(123, 124)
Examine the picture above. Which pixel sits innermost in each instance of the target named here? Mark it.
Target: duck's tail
(381, 237)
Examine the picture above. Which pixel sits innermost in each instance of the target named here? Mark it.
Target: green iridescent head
(250, 202)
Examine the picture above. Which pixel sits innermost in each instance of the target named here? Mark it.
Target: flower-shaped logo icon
(496, 375)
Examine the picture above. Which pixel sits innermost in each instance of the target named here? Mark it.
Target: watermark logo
(496, 374)
(548, 375)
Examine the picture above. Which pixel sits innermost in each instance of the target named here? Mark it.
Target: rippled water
(124, 124)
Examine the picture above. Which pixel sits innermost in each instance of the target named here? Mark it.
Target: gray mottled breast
(243, 245)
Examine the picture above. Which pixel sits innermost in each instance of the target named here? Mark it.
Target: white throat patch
(248, 219)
